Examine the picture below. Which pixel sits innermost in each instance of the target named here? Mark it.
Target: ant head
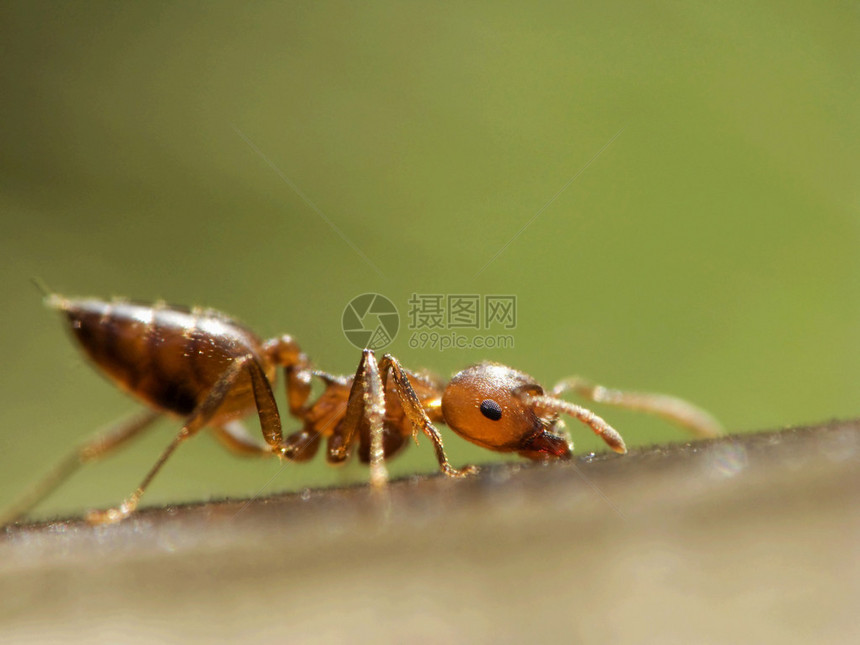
(492, 406)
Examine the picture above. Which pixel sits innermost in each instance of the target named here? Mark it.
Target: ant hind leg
(93, 450)
(269, 420)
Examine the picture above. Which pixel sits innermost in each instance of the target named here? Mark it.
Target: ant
(210, 370)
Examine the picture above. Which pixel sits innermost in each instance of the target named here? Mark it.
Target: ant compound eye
(491, 409)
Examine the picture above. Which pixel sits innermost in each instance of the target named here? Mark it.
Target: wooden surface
(752, 538)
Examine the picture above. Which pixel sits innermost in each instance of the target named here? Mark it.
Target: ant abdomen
(167, 356)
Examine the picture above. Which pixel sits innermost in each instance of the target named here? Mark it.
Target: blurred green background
(711, 251)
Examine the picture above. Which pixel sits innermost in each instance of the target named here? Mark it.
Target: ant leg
(235, 437)
(299, 446)
(673, 409)
(418, 416)
(285, 351)
(269, 420)
(92, 450)
(366, 402)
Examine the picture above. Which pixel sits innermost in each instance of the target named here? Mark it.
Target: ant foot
(465, 471)
(109, 516)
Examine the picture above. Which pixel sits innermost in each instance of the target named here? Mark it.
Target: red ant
(210, 370)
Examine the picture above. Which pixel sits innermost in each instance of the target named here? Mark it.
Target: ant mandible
(210, 370)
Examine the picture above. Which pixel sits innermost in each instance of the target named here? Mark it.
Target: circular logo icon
(370, 321)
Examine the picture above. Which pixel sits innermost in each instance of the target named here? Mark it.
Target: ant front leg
(418, 416)
(671, 408)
